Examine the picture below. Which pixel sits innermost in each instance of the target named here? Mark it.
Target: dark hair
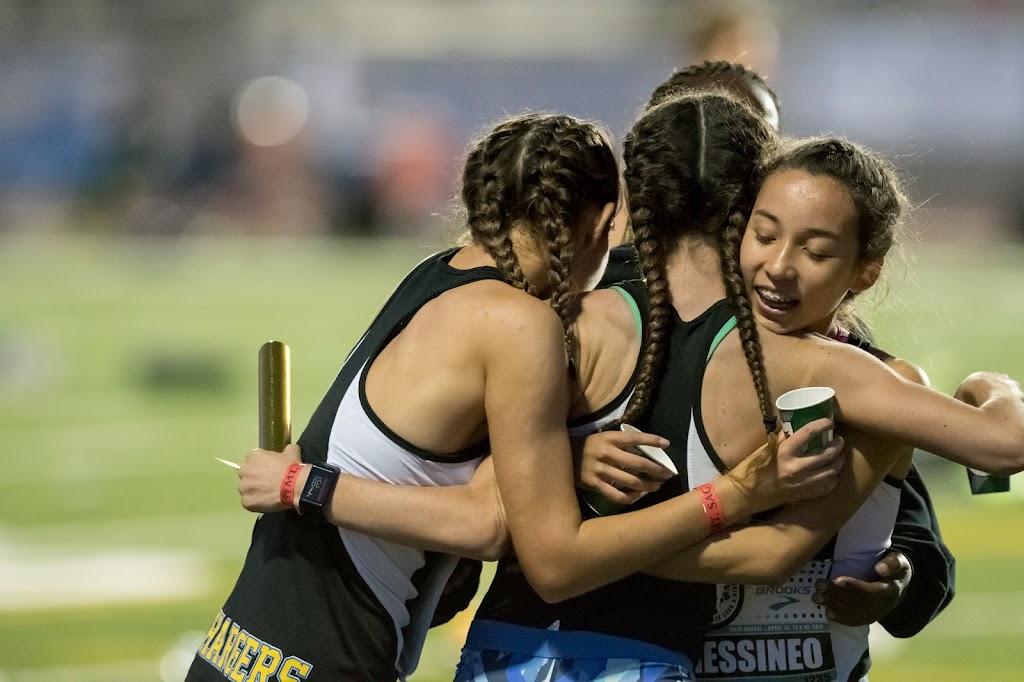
(711, 74)
(540, 173)
(691, 167)
(873, 186)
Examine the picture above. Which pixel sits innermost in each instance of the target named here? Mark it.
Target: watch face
(316, 491)
(318, 488)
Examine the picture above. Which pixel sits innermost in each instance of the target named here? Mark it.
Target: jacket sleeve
(933, 582)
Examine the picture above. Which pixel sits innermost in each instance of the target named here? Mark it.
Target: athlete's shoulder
(606, 306)
(907, 370)
(496, 316)
(501, 303)
(823, 357)
(818, 358)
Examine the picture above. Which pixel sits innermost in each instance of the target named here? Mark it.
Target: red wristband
(288, 484)
(713, 511)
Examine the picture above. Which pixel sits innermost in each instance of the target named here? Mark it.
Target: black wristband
(318, 489)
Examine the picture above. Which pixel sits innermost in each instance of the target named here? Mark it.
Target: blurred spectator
(740, 32)
(413, 166)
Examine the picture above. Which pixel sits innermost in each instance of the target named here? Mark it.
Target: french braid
(539, 173)
(690, 170)
(750, 341)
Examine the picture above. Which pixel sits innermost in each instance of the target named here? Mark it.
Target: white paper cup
(600, 504)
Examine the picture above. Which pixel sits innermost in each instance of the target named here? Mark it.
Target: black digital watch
(318, 489)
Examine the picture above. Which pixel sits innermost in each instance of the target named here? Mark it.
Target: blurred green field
(126, 366)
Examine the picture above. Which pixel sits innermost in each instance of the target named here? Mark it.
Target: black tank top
(299, 604)
(667, 613)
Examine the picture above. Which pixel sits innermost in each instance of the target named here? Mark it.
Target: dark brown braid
(541, 174)
(483, 200)
(690, 167)
(550, 200)
(750, 341)
(652, 264)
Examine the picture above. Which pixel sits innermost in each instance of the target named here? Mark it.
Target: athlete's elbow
(552, 591)
(552, 583)
(1012, 464)
(492, 544)
(1010, 458)
(552, 595)
(1017, 460)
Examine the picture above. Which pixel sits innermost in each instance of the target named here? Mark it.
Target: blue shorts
(500, 652)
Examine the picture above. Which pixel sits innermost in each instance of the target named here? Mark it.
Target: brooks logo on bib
(768, 633)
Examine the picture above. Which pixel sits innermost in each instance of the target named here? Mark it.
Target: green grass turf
(101, 452)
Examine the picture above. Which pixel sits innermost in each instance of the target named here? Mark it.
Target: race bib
(768, 633)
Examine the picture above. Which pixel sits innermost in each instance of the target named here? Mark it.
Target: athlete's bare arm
(769, 552)
(465, 520)
(527, 403)
(982, 428)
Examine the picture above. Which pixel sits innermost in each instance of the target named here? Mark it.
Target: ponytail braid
(550, 201)
(652, 264)
(732, 277)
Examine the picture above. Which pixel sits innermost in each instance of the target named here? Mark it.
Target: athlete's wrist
(300, 476)
(735, 501)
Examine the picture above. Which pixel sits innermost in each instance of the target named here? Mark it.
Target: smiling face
(800, 252)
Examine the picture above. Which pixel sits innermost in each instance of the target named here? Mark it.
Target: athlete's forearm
(465, 520)
(769, 552)
(604, 550)
(983, 428)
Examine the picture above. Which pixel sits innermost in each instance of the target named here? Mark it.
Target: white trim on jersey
(859, 544)
(359, 448)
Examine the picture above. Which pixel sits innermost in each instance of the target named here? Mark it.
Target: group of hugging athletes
(490, 389)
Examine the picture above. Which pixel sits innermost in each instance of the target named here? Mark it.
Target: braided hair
(539, 173)
(690, 169)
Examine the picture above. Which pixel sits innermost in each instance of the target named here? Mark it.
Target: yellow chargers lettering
(294, 669)
(215, 654)
(267, 662)
(241, 667)
(241, 657)
(227, 654)
(210, 635)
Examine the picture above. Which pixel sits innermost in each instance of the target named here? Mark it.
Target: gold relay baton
(275, 396)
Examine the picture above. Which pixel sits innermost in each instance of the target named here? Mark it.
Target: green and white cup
(803, 406)
(600, 504)
(983, 483)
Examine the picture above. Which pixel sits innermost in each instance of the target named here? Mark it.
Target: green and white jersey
(775, 633)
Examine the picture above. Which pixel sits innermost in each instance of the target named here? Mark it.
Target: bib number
(767, 633)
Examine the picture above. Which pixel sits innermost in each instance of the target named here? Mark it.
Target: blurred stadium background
(182, 181)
